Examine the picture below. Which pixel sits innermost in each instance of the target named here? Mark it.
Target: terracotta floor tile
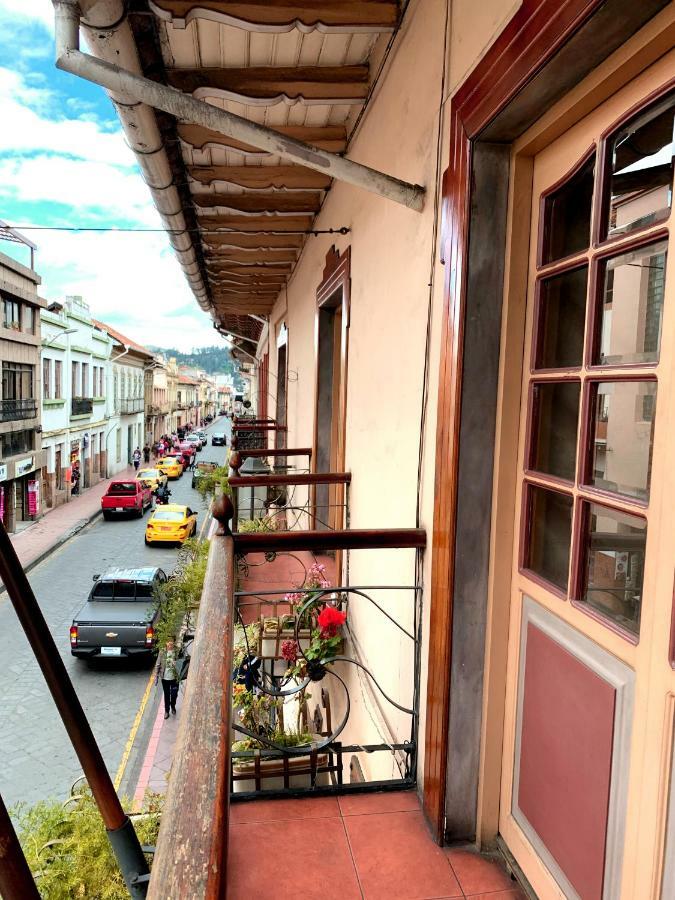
(476, 874)
(306, 858)
(385, 802)
(515, 894)
(396, 858)
(276, 810)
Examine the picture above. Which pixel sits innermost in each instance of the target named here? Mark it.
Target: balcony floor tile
(282, 810)
(384, 802)
(303, 858)
(396, 859)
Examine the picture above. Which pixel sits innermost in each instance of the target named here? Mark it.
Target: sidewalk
(37, 541)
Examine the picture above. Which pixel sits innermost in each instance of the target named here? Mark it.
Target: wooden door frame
(336, 278)
(547, 48)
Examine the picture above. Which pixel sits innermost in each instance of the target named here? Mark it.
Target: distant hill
(214, 360)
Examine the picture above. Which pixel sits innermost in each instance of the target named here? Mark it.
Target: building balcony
(128, 406)
(15, 410)
(81, 406)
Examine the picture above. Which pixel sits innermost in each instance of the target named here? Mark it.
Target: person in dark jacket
(168, 673)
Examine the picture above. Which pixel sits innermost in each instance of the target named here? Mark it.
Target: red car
(126, 497)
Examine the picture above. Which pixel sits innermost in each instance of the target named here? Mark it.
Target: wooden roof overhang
(300, 68)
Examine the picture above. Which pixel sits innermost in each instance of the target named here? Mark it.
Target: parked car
(152, 477)
(126, 497)
(219, 439)
(171, 524)
(200, 470)
(170, 466)
(195, 440)
(120, 615)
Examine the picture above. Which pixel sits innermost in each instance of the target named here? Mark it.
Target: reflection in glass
(554, 437)
(632, 307)
(549, 531)
(562, 313)
(614, 547)
(623, 434)
(641, 173)
(567, 215)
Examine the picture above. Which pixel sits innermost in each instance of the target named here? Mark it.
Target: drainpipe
(111, 37)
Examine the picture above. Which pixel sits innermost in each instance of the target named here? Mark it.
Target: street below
(38, 760)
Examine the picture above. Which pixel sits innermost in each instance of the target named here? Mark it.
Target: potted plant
(296, 625)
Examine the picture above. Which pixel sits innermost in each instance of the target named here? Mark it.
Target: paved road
(36, 759)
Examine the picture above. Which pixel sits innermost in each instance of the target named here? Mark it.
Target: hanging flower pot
(275, 631)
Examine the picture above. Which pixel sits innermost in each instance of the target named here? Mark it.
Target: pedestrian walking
(168, 673)
(146, 454)
(136, 457)
(75, 478)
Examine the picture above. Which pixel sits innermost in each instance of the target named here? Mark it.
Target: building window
(17, 381)
(12, 314)
(58, 378)
(46, 379)
(17, 442)
(85, 380)
(29, 319)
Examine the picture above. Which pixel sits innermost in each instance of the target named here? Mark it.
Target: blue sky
(64, 162)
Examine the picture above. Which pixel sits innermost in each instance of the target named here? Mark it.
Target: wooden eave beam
(350, 16)
(252, 256)
(262, 241)
(252, 224)
(228, 267)
(330, 137)
(267, 85)
(280, 202)
(262, 177)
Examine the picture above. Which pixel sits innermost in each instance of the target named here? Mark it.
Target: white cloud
(40, 11)
(27, 128)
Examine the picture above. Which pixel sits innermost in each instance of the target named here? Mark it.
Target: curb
(60, 541)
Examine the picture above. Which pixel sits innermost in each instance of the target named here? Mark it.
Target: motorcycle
(162, 497)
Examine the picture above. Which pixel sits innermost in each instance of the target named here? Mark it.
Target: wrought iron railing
(80, 406)
(14, 410)
(286, 502)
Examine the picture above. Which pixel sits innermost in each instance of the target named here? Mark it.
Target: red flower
(289, 651)
(330, 620)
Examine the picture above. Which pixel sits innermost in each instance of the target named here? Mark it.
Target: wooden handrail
(191, 855)
(284, 451)
(365, 539)
(303, 478)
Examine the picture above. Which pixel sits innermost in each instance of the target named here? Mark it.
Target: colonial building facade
(75, 365)
(21, 456)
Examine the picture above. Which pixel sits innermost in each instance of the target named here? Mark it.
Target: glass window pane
(567, 215)
(561, 320)
(555, 416)
(549, 530)
(614, 545)
(641, 170)
(632, 307)
(623, 434)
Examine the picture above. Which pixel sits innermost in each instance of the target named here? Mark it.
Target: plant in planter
(325, 644)
(258, 525)
(275, 630)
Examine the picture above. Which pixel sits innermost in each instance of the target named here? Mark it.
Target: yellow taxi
(152, 477)
(170, 466)
(170, 524)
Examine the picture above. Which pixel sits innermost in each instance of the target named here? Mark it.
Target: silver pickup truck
(119, 617)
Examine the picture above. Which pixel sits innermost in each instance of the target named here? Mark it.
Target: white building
(75, 360)
(125, 410)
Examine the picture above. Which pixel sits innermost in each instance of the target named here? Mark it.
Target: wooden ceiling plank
(280, 202)
(268, 85)
(330, 137)
(262, 177)
(231, 267)
(348, 16)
